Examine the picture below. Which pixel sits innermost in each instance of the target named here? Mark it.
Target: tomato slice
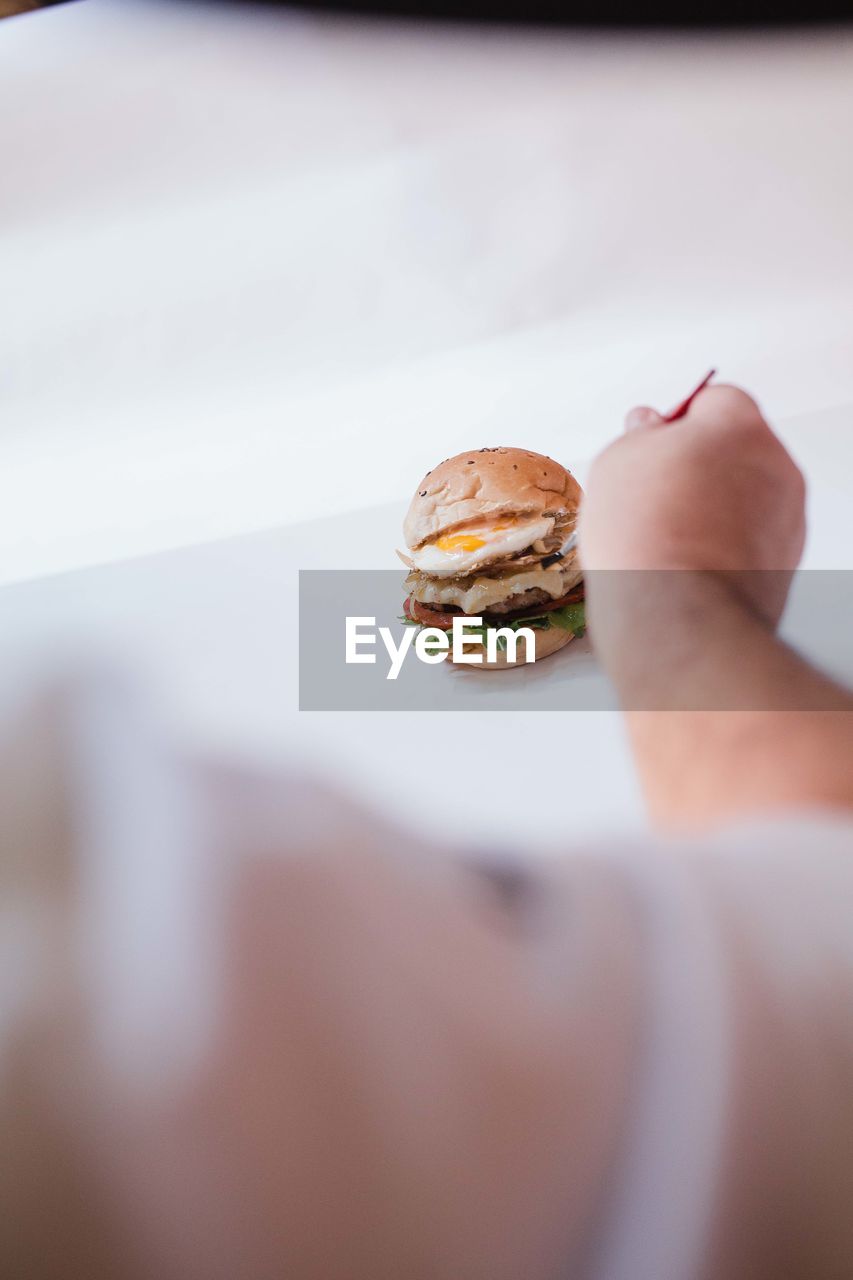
(429, 617)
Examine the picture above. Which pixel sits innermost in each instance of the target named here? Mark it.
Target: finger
(727, 396)
(642, 416)
(722, 404)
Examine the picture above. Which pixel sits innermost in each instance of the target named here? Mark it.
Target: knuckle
(725, 399)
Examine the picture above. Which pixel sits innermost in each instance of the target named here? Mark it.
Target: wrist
(724, 718)
(665, 635)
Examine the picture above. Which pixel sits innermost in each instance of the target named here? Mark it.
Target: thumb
(642, 416)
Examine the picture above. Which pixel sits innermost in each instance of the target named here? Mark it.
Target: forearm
(724, 718)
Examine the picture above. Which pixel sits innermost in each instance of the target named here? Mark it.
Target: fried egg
(459, 552)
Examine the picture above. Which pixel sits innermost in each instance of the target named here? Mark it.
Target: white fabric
(671, 1160)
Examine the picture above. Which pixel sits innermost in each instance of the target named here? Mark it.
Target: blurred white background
(259, 269)
(258, 266)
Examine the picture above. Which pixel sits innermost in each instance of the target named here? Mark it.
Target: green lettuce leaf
(572, 617)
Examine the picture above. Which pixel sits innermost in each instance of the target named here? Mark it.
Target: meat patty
(524, 599)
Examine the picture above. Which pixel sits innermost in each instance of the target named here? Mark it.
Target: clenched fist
(715, 492)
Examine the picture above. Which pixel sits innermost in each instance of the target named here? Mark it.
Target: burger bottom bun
(547, 642)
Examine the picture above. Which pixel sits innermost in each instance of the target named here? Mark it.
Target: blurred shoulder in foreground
(246, 1027)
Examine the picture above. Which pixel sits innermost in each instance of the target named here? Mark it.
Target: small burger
(484, 534)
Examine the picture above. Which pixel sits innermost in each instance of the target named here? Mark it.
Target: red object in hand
(680, 410)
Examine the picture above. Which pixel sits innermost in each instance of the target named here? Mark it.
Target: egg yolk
(459, 542)
(466, 541)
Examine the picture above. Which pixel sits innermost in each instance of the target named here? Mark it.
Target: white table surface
(260, 269)
(213, 629)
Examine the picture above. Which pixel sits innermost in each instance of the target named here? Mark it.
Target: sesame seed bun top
(488, 482)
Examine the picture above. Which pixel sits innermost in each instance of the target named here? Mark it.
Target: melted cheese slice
(472, 597)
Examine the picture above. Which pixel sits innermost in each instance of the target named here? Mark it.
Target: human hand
(715, 492)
